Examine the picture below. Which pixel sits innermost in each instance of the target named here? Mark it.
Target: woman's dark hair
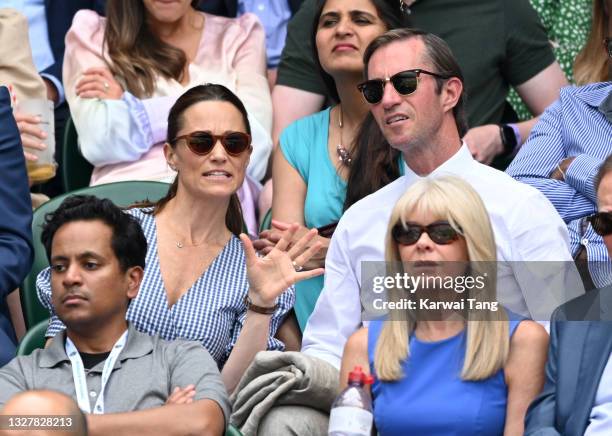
(374, 162)
(388, 11)
(137, 54)
(197, 94)
(128, 241)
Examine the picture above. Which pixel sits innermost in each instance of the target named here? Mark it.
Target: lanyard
(78, 374)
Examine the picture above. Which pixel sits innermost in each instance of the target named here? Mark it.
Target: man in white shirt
(415, 90)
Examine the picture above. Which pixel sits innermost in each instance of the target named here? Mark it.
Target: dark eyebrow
(330, 14)
(358, 12)
(81, 256)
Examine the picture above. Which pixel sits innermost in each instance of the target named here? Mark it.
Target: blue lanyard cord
(78, 374)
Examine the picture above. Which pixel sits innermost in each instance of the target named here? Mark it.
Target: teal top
(304, 145)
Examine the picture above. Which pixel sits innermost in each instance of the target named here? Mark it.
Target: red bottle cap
(358, 376)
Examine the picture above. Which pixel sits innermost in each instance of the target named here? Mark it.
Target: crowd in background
(300, 141)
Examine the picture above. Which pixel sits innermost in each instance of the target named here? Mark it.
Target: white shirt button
(93, 394)
(584, 241)
(261, 7)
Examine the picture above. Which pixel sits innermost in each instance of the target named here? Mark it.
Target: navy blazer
(59, 19)
(16, 252)
(229, 8)
(578, 353)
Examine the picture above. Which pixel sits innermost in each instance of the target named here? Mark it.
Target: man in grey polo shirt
(127, 382)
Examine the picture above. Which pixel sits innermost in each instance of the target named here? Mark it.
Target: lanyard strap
(78, 374)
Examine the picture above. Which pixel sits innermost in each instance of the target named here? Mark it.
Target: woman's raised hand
(269, 276)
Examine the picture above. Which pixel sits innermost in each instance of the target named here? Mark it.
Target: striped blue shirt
(212, 311)
(573, 126)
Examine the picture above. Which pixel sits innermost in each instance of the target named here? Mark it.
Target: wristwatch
(259, 309)
(508, 137)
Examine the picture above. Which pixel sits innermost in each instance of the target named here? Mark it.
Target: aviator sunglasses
(440, 232)
(601, 223)
(202, 142)
(404, 82)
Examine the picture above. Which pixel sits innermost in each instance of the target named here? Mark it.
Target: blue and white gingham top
(212, 311)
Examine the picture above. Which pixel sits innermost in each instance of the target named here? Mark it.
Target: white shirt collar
(455, 164)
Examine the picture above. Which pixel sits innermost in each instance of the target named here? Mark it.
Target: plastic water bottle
(351, 413)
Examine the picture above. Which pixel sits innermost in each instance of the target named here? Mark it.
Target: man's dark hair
(128, 241)
(605, 168)
(438, 53)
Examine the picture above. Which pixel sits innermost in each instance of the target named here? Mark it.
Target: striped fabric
(572, 126)
(212, 311)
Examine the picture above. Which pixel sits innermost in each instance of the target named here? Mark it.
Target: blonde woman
(436, 373)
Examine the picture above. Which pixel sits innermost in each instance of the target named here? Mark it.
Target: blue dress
(304, 146)
(432, 399)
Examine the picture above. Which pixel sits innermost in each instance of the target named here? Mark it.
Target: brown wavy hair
(591, 64)
(137, 54)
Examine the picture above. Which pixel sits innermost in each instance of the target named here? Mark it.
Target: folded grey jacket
(278, 378)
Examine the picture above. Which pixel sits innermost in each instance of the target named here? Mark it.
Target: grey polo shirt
(144, 375)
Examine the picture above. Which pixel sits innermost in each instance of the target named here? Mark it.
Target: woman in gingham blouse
(178, 300)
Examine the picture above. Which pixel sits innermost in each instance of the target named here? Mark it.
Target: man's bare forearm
(203, 417)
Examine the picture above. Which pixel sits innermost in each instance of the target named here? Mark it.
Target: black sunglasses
(441, 232)
(601, 223)
(404, 82)
(608, 45)
(202, 142)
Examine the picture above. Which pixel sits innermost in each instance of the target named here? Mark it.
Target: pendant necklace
(344, 156)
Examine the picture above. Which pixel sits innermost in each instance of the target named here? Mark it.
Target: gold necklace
(344, 156)
(179, 244)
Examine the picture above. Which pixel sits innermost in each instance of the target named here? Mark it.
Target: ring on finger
(297, 267)
(106, 87)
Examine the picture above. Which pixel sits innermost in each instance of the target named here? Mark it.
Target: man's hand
(182, 395)
(561, 169)
(269, 238)
(484, 142)
(52, 93)
(30, 132)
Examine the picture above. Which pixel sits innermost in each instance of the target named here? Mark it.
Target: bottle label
(350, 420)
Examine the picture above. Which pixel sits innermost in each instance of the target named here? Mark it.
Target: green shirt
(498, 44)
(567, 23)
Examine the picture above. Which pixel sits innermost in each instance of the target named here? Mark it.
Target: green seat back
(33, 339)
(266, 222)
(75, 170)
(232, 431)
(121, 193)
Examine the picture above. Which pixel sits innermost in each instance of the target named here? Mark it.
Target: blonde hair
(591, 64)
(454, 200)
